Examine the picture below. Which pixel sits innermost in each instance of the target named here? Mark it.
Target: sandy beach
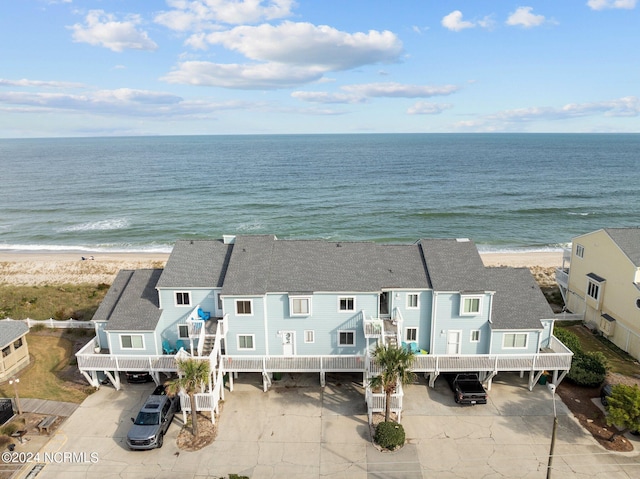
(38, 268)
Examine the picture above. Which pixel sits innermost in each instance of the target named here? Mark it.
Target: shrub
(588, 369)
(389, 435)
(9, 429)
(569, 339)
(4, 441)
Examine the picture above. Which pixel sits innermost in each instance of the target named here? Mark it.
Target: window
(579, 251)
(515, 340)
(183, 331)
(299, 306)
(470, 305)
(347, 304)
(6, 351)
(243, 307)
(346, 338)
(411, 334)
(183, 298)
(412, 300)
(219, 302)
(475, 336)
(132, 341)
(17, 343)
(309, 336)
(593, 290)
(246, 341)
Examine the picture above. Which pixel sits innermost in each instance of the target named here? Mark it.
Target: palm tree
(395, 364)
(193, 374)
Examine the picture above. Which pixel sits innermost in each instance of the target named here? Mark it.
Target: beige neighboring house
(602, 283)
(13, 343)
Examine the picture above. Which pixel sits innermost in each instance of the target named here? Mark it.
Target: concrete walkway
(299, 430)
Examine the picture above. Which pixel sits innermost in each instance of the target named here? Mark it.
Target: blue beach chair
(166, 347)
(204, 315)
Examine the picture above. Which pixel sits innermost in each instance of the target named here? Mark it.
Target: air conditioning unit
(607, 324)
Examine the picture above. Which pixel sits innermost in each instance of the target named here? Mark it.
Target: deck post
(231, 376)
(322, 379)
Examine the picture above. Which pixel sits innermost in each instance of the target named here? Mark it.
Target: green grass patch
(617, 360)
(77, 301)
(49, 355)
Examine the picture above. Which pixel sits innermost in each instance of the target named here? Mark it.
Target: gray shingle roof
(518, 302)
(132, 301)
(454, 265)
(261, 264)
(10, 331)
(628, 239)
(196, 264)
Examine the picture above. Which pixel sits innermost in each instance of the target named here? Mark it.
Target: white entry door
(288, 343)
(453, 342)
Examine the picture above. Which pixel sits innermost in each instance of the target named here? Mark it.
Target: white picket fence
(54, 323)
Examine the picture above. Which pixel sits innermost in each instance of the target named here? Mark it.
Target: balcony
(562, 277)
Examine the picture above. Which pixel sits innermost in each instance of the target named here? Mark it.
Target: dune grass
(49, 355)
(77, 301)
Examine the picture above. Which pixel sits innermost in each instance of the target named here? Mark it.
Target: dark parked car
(467, 388)
(138, 377)
(152, 422)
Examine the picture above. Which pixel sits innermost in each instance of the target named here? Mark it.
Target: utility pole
(15, 382)
(552, 388)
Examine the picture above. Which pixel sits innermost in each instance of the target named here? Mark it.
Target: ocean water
(504, 191)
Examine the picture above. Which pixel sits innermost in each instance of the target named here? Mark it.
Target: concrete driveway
(299, 430)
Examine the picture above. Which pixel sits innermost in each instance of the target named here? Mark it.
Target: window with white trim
(17, 344)
(470, 305)
(412, 301)
(515, 340)
(183, 331)
(246, 342)
(131, 341)
(346, 338)
(244, 307)
(299, 305)
(475, 336)
(183, 298)
(309, 336)
(579, 251)
(347, 304)
(6, 351)
(411, 335)
(593, 290)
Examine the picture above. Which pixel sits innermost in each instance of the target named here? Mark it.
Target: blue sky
(175, 67)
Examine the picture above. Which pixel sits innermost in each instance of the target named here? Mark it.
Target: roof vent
(462, 240)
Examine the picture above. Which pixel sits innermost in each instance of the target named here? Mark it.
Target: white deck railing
(560, 359)
(562, 277)
(376, 402)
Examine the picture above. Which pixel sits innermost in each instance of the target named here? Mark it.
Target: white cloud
(362, 92)
(197, 15)
(307, 44)
(325, 97)
(428, 108)
(621, 107)
(118, 102)
(524, 17)
(251, 76)
(103, 29)
(454, 22)
(611, 4)
(39, 84)
(399, 90)
(285, 55)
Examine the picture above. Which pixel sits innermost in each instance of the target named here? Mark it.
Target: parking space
(301, 430)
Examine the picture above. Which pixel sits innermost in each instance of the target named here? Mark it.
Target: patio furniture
(166, 347)
(204, 315)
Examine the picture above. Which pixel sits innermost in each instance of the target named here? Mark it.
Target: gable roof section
(628, 239)
(518, 302)
(133, 306)
(454, 265)
(196, 264)
(262, 264)
(11, 330)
